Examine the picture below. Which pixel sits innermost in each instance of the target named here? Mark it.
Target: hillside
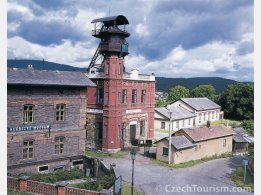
(162, 84)
(220, 84)
(43, 65)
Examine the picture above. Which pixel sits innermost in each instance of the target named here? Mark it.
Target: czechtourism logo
(199, 189)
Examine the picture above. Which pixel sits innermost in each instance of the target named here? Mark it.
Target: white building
(180, 118)
(204, 109)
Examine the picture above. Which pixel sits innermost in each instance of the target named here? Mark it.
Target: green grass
(126, 189)
(104, 182)
(13, 192)
(237, 177)
(232, 123)
(56, 176)
(190, 163)
(97, 154)
(162, 130)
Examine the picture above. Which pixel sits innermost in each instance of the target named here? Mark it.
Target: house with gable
(180, 118)
(204, 109)
(195, 143)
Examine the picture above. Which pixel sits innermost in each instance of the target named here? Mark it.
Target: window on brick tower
(59, 143)
(106, 101)
(119, 69)
(124, 96)
(28, 149)
(134, 96)
(123, 130)
(107, 68)
(143, 96)
(99, 96)
(28, 114)
(142, 128)
(60, 108)
(119, 97)
(119, 131)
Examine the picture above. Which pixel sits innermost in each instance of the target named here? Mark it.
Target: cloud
(212, 59)
(78, 54)
(187, 38)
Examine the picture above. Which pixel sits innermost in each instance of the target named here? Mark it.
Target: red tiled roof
(205, 133)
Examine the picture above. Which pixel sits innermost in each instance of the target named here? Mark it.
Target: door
(132, 132)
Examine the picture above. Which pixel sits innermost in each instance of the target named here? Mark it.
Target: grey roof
(120, 20)
(18, 76)
(200, 103)
(240, 135)
(239, 131)
(205, 133)
(177, 112)
(180, 142)
(240, 139)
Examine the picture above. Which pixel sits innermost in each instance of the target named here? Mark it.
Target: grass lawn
(237, 177)
(97, 154)
(126, 189)
(190, 163)
(13, 192)
(232, 123)
(56, 176)
(161, 130)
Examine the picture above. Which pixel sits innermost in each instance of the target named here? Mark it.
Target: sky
(171, 38)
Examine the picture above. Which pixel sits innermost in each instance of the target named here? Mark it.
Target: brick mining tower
(120, 110)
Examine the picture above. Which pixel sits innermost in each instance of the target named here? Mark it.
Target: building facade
(46, 119)
(121, 107)
(204, 109)
(195, 143)
(178, 118)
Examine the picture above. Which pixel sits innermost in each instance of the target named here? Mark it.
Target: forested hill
(43, 65)
(162, 84)
(220, 84)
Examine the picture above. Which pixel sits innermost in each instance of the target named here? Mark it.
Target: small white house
(180, 118)
(204, 109)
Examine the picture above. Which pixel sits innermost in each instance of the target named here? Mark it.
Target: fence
(23, 184)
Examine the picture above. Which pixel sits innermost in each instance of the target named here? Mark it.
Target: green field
(97, 154)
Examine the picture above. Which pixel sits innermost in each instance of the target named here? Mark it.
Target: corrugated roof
(240, 135)
(205, 133)
(120, 20)
(180, 142)
(240, 139)
(18, 76)
(177, 112)
(200, 103)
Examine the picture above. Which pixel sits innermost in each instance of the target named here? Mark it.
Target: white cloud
(78, 54)
(207, 60)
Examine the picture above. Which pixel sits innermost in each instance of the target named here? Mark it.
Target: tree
(248, 125)
(161, 103)
(238, 101)
(203, 91)
(175, 93)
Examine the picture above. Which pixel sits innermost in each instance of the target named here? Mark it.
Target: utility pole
(170, 113)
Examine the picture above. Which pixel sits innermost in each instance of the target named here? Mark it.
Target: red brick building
(120, 109)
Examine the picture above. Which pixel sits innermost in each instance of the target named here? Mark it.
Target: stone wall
(92, 140)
